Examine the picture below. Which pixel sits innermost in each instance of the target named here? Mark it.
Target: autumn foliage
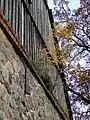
(72, 30)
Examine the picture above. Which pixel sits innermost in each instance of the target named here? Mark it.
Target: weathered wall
(30, 23)
(14, 103)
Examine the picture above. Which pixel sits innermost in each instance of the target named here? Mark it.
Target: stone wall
(21, 96)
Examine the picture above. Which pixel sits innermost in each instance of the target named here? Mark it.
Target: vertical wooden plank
(41, 11)
(17, 18)
(7, 10)
(13, 15)
(37, 8)
(10, 11)
(38, 14)
(3, 6)
(34, 14)
(45, 22)
(35, 48)
(26, 32)
(29, 6)
(47, 25)
(40, 17)
(20, 20)
(24, 28)
(44, 28)
(29, 43)
(32, 41)
(36, 11)
(40, 46)
(28, 37)
(22, 25)
(32, 9)
(36, 44)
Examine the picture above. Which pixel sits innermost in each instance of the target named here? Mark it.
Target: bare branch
(78, 94)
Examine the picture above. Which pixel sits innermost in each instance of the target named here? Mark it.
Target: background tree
(73, 33)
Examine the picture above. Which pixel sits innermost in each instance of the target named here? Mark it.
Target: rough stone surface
(14, 103)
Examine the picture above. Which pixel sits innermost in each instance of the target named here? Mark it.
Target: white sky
(50, 3)
(74, 4)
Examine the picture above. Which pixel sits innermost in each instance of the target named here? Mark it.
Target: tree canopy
(72, 29)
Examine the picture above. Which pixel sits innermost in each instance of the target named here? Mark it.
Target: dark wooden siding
(29, 21)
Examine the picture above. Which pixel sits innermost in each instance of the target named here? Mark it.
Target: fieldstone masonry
(14, 103)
